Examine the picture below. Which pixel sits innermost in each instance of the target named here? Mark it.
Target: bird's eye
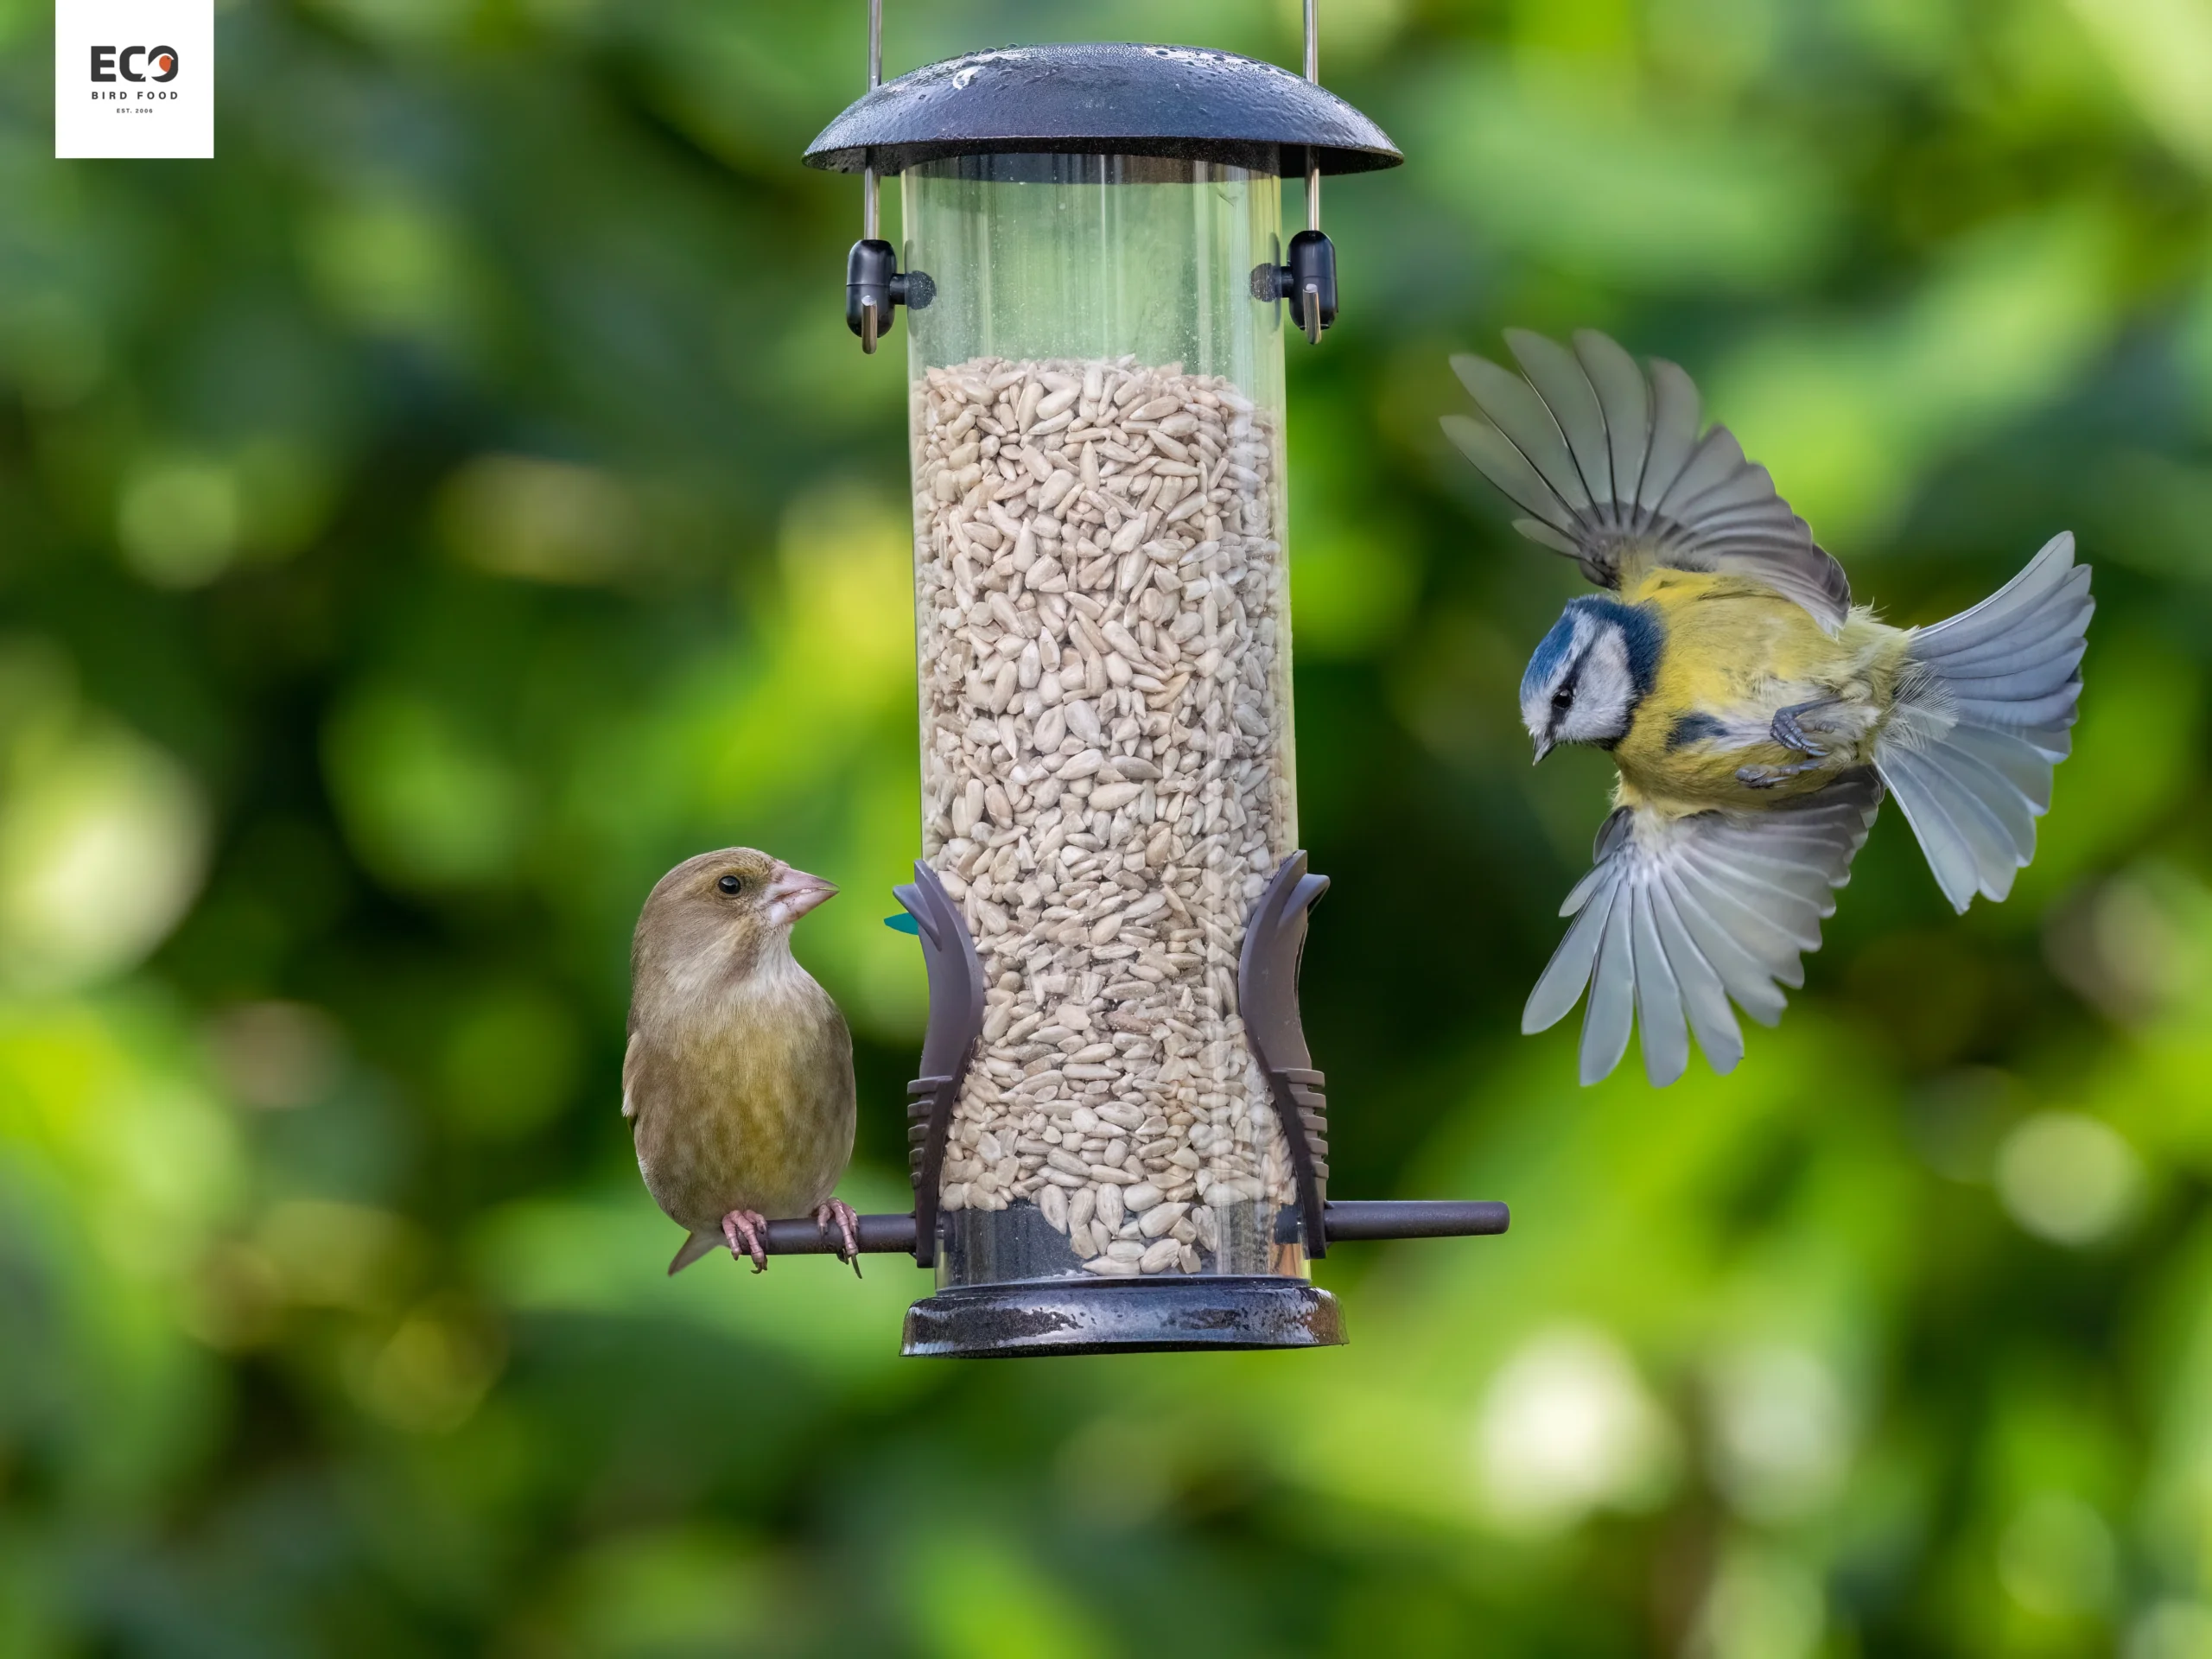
(1563, 698)
(730, 884)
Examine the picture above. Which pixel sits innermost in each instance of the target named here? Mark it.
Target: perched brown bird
(738, 1081)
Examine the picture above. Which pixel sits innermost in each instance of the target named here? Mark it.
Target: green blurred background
(427, 522)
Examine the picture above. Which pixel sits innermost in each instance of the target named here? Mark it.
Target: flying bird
(738, 1080)
(1756, 717)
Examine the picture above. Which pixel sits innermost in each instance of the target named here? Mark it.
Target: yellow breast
(1734, 652)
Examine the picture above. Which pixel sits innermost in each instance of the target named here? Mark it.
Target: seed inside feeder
(1103, 619)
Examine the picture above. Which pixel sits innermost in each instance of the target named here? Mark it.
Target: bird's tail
(1981, 718)
(691, 1250)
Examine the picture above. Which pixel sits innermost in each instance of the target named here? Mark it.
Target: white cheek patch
(1604, 693)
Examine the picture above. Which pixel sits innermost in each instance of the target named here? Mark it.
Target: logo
(140, 64)
(108, 62)
(134, 78)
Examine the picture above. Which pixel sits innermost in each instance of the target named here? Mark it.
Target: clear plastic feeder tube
(1103, 619)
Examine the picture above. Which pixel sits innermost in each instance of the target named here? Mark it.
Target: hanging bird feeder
(1118, 1137)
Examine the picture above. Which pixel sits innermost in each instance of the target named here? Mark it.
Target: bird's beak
(792, 894)
(1543, 748)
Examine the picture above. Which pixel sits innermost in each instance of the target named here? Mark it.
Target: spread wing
(1682, 914)
(1611, 465)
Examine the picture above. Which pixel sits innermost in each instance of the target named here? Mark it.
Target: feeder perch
(1118, 1139)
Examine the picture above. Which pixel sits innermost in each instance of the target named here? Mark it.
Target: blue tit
(1756, 717)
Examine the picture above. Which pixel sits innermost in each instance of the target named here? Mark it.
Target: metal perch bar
(1357, 1220)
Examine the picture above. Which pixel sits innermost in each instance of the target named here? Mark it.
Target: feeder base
(1106, 1316)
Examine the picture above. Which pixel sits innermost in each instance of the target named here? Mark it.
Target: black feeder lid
(1104, 97)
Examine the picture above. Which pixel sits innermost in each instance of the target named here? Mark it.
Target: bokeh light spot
(102, 847)
(435, 1369)
(1761, 1604)
(1566, 1427)
(424, 804)
(2067, 1178)
(2057, 1558)
(511, 1062)
(2171, 1629)
(1780, 1431)
(276, 1056)
(178, 523)
(540, 520)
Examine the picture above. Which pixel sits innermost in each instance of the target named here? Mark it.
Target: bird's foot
(1773, 777)
(747, 1233)
(836, 1212)
(1786, 730)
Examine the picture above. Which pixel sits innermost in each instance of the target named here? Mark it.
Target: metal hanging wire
(1313, 164)
(871, 187)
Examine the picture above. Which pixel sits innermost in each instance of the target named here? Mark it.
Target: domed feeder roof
(1106, 97)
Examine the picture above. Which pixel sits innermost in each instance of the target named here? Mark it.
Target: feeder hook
(1308, 283)
(874, 286)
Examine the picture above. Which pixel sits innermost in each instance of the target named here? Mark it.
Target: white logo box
(134, 78)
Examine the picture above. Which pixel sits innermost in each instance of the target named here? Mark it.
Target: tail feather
(2019, 762)
(1984, 719)
(2013, 808)
(2002, 714)
(2021, 688)
(2039, 677)
(1993, 619)
(2000, 653)
(691, 1249)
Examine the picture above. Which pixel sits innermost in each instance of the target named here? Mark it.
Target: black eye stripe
(1568, 682)
(1573, 677)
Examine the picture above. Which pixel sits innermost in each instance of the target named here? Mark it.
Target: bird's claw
(1786, 730)
(836, 1211)
(1773, 777)
(747, 1233)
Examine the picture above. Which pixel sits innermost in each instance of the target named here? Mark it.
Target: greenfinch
(738, 1079)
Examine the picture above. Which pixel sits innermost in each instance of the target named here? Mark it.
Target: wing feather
(1676, 412)
(1750, 982)
(1681, 916)
(1500, 462)
(1626, 401)
(1715, 462)
(1567, 391)
(1705, 996)
(1542, 534)
(1517, 409)
(1610, 469)
(1568, 971)
(1611, 1015)
(1658, 996)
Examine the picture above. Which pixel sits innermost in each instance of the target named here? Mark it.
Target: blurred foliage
(426, 523)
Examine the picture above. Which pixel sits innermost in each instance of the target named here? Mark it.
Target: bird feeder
(1118, 1138)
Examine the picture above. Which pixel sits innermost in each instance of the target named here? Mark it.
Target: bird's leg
(838, 1211)
(1769, 777)
(747, 1233)
(1787, 732)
